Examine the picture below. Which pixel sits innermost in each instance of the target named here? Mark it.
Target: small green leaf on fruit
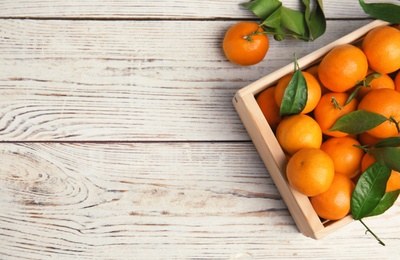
(370, 77)
(358, 121)
(295, 96)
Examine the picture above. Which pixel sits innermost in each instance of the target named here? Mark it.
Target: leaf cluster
(282, 21)
(310, 23)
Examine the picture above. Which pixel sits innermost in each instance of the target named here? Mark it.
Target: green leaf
(315, 19)
(353, 94)
(274, 20)
(383, 11)
(388, 142)
(370, 77)
(307, 9)
(262, 8)
(386, 202)
(369, 190)
(389, 156)
(307, 13)
(295, 96)
(358, 121)
(362, 84)
(294, 21)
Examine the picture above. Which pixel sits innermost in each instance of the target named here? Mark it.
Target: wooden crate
(269, 149)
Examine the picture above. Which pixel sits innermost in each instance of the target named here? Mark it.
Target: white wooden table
(119, 139)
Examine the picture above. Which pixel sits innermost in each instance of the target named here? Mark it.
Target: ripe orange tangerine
(334, 204)
(342, 67)
(381, 45)
(313, 91)
(297, 132)
(330, 108)
(244, 45)
(310, 171)
(345, 156)
(387, 103)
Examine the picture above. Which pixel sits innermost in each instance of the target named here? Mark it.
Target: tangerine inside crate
(269, 149)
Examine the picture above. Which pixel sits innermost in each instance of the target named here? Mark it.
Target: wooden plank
(128, 80)
(159, 9)
(158, 201)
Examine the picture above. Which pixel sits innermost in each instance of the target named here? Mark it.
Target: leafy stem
(248, 37)
(365, 148)
(372, 233)
(306, 24)
(365, 83)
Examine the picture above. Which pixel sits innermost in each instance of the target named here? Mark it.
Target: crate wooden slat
(269, 149)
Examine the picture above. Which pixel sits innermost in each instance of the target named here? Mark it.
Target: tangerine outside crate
(269, 149)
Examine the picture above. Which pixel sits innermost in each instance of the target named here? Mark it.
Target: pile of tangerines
(324, 164)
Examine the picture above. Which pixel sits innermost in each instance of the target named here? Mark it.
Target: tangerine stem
(336, 103)
(372, 233)
(365, 148)
(393, 120)
(257, 32)
(296, 64)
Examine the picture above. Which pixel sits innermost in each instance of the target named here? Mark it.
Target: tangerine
(244, 43)
(330, 108)
(298, 131)
(345, 156)
(269, 108)
(334, 204)
(342, 68)
(381, 45)
(387, 103)
(310, 171)
(383, 81)
(393, 182)
(313, 91)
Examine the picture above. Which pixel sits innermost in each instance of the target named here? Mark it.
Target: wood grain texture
(158, 201)
(128, 80)
(159, 9)
(119, 140)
